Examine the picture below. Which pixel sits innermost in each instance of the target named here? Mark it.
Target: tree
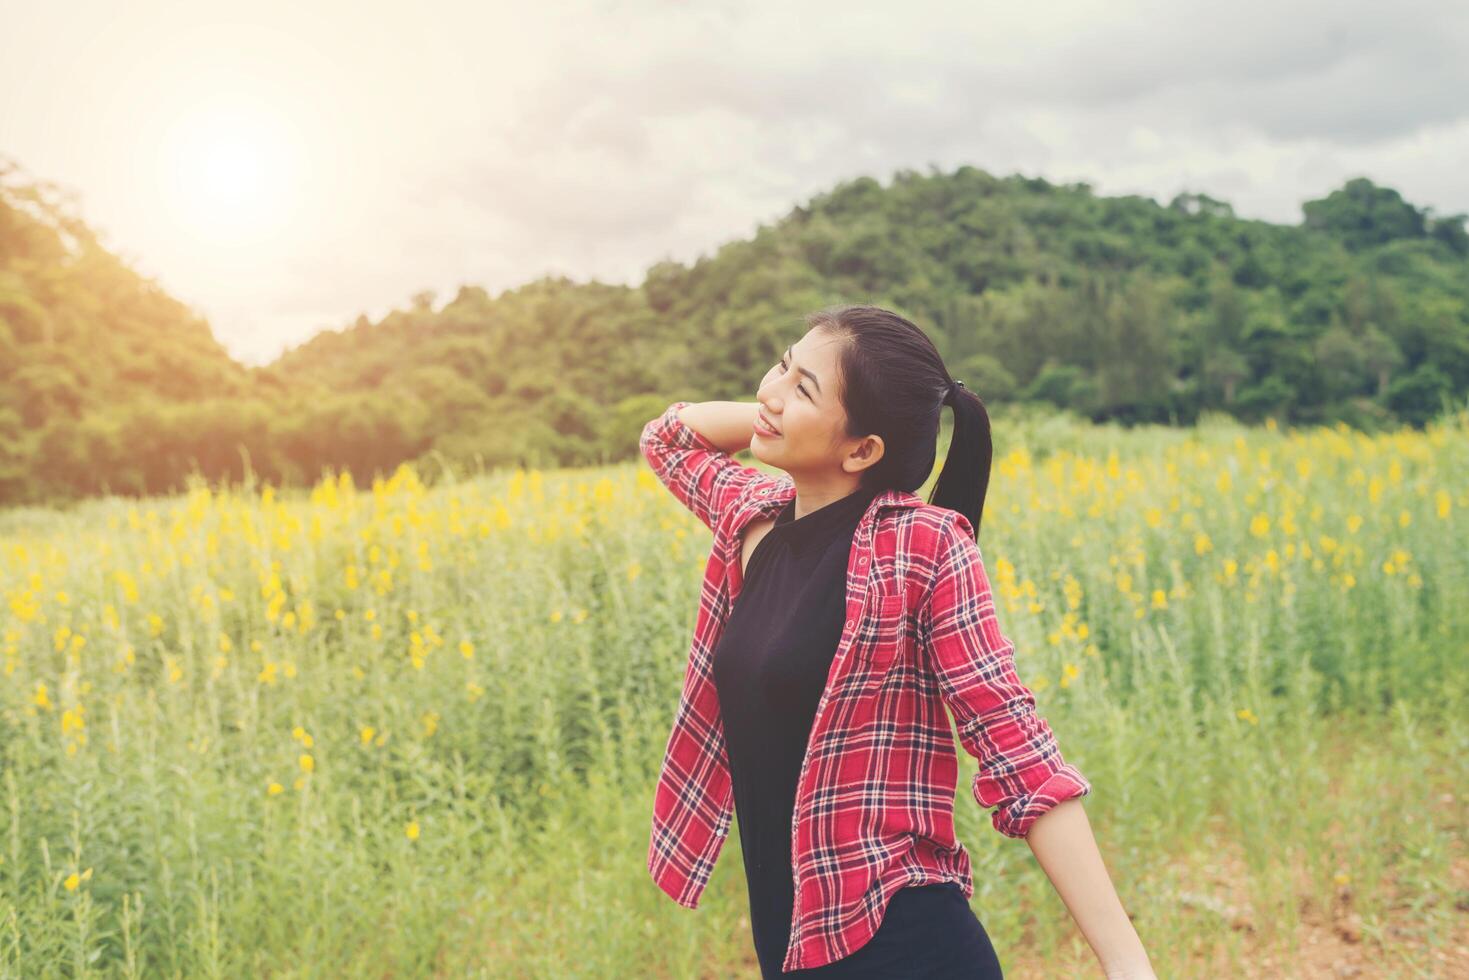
(1223, 370)
(1340, 359)
(1381, 356)
(1362, 215)
(1419, 396)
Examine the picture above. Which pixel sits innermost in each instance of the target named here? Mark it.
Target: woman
(840, 616)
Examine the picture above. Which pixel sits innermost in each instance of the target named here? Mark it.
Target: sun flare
(231, 174)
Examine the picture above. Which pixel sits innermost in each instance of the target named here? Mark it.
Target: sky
(285, 168)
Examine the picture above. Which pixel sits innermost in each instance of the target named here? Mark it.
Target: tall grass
(404, 730)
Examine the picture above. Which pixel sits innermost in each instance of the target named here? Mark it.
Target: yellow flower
(367, 733)
(1260, 525)
(308, 764)
(1160, 599)
(1069, 673)
(1245, 714)
(411, 830)
(1202, 544)
(1353, 522)
(275, 789)
(467, 649)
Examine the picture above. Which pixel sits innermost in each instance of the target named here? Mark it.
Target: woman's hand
(729, 425)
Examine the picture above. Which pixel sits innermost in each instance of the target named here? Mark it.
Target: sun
(230, 174)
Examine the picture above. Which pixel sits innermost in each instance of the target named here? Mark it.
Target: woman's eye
(800, 388)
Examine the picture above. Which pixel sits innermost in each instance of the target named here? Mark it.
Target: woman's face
(801, 397)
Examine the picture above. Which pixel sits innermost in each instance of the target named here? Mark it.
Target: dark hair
(895, 385)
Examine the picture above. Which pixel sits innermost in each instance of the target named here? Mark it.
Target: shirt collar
(820, 525)
(770, 498)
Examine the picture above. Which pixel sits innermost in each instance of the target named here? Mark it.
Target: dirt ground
(1329, 942)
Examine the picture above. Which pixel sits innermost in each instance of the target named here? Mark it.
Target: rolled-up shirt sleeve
(704, 478)
(1021, 770)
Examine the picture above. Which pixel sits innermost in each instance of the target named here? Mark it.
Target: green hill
(1112, 307)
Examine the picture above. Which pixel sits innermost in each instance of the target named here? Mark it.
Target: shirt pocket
(886, 633)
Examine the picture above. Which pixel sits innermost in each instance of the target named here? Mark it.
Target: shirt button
(849, 624)
(862, 561)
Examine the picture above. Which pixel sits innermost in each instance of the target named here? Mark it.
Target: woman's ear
(868, 452)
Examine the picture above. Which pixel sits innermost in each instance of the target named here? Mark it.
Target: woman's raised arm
(689, 447)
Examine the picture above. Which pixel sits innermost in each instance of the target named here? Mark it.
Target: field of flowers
(409, 730)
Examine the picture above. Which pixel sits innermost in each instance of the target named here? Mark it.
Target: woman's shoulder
(919, 544)
(924, 529)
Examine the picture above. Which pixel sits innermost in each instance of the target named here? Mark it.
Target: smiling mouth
(764, 427)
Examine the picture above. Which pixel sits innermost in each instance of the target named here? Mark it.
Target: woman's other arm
(1063, 844)
(1021, 769)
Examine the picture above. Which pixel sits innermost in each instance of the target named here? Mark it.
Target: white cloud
(489, 144)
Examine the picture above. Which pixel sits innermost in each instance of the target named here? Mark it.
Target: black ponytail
(966, 475)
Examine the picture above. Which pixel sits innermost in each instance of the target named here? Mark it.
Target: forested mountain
(1115, 307)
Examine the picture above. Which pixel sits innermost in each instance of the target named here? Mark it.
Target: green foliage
(1362, 214)
(1113, 308)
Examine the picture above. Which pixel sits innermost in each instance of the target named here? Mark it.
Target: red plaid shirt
(875, 797)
